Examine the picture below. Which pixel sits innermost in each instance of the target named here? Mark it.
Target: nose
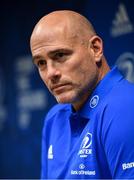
(53, 73)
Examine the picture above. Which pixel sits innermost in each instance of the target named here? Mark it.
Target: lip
(59, 88)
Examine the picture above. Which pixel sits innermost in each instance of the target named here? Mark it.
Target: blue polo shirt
(95, 142)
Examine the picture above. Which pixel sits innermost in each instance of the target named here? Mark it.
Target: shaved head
(76, 25)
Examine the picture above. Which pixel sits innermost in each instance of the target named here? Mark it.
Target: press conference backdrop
(24, 99)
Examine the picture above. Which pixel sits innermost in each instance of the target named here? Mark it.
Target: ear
(96, 46)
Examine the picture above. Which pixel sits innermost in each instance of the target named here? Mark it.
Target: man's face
(66, 65)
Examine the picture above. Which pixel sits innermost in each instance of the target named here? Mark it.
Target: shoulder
(54, 118)
(118, 106)
(118, 112)
(121, 96)
(57, 110)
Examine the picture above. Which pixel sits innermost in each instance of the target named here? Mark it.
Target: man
(90, 133)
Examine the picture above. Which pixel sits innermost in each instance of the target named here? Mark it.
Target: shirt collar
(102, 89)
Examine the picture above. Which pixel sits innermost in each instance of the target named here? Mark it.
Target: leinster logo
(85, 148)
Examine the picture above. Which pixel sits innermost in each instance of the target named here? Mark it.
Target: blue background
(24, 99)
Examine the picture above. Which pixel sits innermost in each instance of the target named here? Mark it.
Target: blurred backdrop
(24, 99)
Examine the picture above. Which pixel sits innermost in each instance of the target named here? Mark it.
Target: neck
(77, 105)
(104, 69)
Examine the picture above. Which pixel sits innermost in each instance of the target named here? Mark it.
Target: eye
(41, 63)
(59, 55)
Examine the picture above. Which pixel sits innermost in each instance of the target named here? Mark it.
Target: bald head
(68, 21)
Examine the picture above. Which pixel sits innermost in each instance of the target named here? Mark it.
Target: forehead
(49, 39)
(55, 32)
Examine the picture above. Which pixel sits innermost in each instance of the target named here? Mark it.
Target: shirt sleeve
(118, 139)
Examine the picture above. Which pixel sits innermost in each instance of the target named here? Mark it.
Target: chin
(65, 99)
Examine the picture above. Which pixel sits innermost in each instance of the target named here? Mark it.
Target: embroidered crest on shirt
(85, 148)
(94, 101)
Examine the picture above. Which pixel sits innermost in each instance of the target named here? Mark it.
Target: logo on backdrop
(28, 97)
(85, 148)
(121, 24)
(125, 63)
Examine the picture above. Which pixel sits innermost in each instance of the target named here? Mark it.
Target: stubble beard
(72, 96)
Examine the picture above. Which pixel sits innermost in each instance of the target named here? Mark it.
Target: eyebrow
(52, 52)
(59, 50)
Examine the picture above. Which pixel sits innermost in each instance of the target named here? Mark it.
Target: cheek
(84, 73)
(42, 75)
(77, 75)
(80, 68)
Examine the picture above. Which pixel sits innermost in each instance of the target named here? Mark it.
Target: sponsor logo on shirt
(82, 171)
(82, 166)
(127, 165)
(85, 148)
(50, 152)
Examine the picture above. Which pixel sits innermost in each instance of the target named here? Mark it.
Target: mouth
(59, 88)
